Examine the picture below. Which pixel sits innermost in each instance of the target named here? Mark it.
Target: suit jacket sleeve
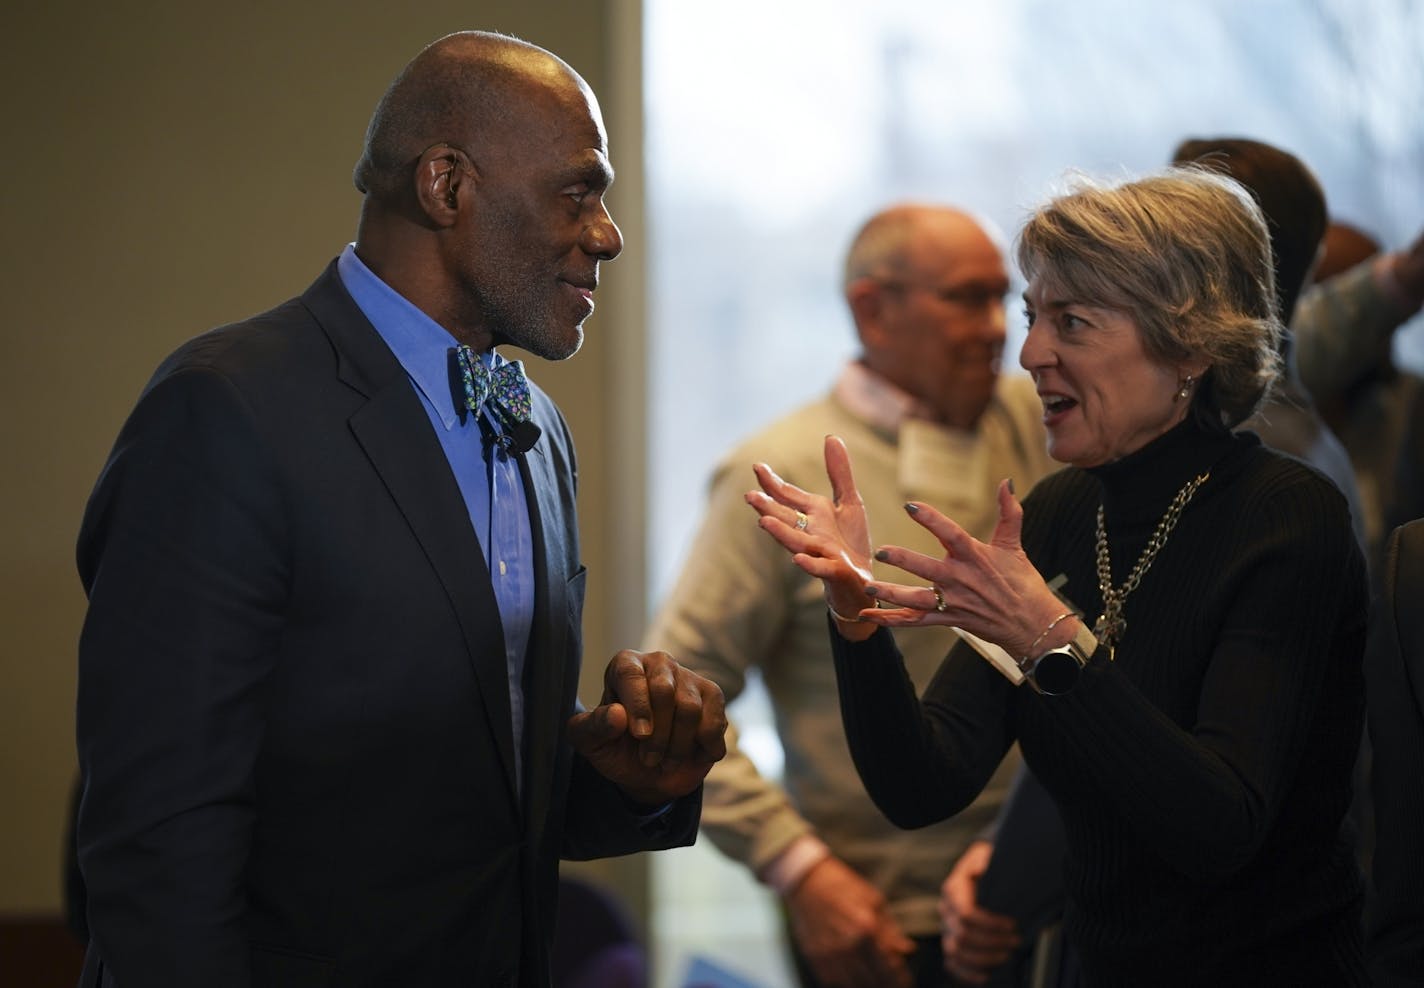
(603, 823)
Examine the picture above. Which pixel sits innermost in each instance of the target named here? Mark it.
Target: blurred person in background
(1377, 411)
(928, 415)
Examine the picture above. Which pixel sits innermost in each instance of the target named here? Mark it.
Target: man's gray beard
(532, 332)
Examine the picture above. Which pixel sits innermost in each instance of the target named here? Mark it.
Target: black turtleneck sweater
(1203, 773)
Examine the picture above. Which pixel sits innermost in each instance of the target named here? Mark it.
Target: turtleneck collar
(1138, 487)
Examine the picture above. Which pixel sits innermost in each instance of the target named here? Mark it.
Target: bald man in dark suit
(328, 721)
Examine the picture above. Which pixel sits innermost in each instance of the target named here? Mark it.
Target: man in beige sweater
(926, 415)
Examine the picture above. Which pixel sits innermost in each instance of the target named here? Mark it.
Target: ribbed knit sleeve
(920, 765)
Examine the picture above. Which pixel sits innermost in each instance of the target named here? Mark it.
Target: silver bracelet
(848, 620)
(1051, 625)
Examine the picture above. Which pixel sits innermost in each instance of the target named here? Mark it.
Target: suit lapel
(546, 665)
(395, 433)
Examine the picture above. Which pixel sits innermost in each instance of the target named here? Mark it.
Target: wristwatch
(1056, 671)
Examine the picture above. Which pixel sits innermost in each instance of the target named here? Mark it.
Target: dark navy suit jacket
(293, 716)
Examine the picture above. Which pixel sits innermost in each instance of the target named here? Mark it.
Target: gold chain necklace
(1111, 625)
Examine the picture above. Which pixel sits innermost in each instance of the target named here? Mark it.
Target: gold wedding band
(802, 521)
(940, 604)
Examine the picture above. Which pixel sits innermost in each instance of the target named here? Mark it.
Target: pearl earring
(1185, 390)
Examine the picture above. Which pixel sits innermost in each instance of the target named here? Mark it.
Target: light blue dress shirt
(488, 476)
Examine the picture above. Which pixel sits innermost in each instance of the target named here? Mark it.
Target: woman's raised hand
(830, 537)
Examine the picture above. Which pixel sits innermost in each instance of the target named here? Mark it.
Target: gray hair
(1187, 255)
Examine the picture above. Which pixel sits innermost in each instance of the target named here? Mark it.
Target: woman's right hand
(833, 544)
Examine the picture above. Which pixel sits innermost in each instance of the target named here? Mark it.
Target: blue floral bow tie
(505, 385)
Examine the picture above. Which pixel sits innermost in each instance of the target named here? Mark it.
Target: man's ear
(441, 173)
(863, 298)
(866, 301)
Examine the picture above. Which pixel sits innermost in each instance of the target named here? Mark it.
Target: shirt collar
(876, 401)
(419, 343)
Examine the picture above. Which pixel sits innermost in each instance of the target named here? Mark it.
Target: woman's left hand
(988, 589)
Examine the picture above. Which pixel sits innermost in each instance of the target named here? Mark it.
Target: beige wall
(170, 166)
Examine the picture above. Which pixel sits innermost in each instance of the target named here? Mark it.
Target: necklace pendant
(1109, 627)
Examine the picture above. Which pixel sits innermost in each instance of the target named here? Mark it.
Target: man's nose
(998, 317)
(602, 238)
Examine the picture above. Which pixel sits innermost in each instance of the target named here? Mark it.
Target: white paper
(998, 658)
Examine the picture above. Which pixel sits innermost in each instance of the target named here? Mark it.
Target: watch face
(1056, 672)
